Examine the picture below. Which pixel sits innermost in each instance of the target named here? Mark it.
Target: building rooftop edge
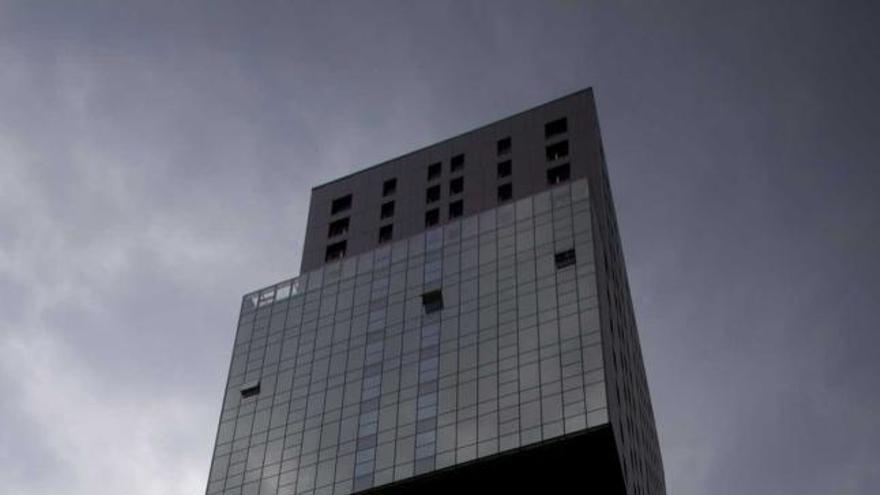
(588, 89)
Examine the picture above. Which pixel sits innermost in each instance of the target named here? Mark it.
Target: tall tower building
(462, 321)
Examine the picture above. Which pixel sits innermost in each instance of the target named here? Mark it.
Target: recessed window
(456, 209)
(338, 227)
(389, 187)
(456, 185)
(340, 204)
(504, 146)
(432, 301)
(432, 194)
(250, 389)
(504, 169)
(385, 233)
(558, 174)
(335, 251)
(557, 151)
(456, 163)
(434, 170)
(555, 128)
(432, 217)
(565, 258)
(505, 192)
(387, 210)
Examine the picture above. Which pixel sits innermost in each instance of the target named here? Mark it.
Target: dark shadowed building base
(581, 463)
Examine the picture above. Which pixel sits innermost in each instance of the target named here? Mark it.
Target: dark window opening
(504, 169)
(338, 227)
(335, 251)
(432, 194)
(557, 151)
(504, 146)
(387, 210)
(565, 258)
(250, 389)
(456, 209)
(456, 185)
(432, 301)
(385, 233)
(456, 163)
(434, 170)
(505, 192)
(340, 204)
(558, 174)
(432, 217)
(389, 187)
(555, 128)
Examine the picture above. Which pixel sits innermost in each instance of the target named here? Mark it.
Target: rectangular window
(387, 210)
(558, 174)
(389, 187)
(555, 128)
(340, 204)
(434, 170)
(504, 146)
(505, 192)
(338, 227)
(557, 151)
(565, 258)
(456, 163)
(432, 217)
(335, 251)
(432, 194)
(250, 389)
(456, 186)
(385, 233)
(504, 169)
(456, 209)
(432, 301)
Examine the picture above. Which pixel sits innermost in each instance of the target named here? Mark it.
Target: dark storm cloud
(156, 160)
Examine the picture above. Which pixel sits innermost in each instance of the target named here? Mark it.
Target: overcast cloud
(156, 159)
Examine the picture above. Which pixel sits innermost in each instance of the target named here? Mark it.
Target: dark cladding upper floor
(498, 163)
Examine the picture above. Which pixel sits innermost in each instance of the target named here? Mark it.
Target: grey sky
(156, 159)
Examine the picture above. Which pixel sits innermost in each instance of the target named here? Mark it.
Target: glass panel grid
(359, 387)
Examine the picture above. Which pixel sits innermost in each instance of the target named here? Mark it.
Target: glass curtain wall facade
(359, 385)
